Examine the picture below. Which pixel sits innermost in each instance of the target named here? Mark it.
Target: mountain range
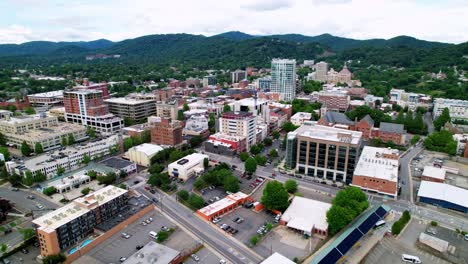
(330, 42)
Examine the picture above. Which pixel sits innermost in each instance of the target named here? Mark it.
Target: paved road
(230, 249)
(429, 123)
(405, 174)
(22, 203)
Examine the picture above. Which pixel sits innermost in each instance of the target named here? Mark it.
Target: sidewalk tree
(54, 259)
(128, 143)
(49, 190)
(250, 165)
(91, 132)
(60, 170)
(86, 159)
(180, 115)
(40, 177)
(64, 141)
(196, 201)
(27, 233)
(275, 134)
(206, 163)
(440, 121)
(28, 178)
(183, 195)
(195, 141)
(185, 107)
(288, 127)
(290, 186)
(337, 218)
(226, 108)
(38, 149)
(5, 152)
(273, 153)
(415, 139)
(268, 142)
(261, 160)
(71, 139)
(25, 149)
(255, 149)
(275, 197)
(244, 156)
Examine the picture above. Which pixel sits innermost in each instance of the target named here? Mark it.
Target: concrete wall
(108, 234)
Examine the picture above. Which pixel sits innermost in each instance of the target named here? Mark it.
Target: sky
(83, 20)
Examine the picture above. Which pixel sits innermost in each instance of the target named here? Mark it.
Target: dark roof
(369, 120)
(116, 163)
(338, 118)
(392, 128)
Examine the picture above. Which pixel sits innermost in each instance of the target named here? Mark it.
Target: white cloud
(120, 19)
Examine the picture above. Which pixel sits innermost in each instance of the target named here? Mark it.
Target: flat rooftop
(128, 101)
(153, 253)
(51, 94)
(313, 131)
(116, 163)
(374, 163)
(148, 149)
(434, 172)
(277, 258)
(189, 160)
(443, 192)
(299, 214)
(44, 133)
(223, 203)
(25, 119)
(78, 207)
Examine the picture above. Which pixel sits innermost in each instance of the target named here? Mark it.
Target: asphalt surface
(25, 205)
(233, 251)
(405, 174)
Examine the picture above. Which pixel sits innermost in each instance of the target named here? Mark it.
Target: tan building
(327, 153)
(241, 124)
(377, 171)
(166, 132)
(134, 109)
(167, 109)
(66, 226)
(143, 153)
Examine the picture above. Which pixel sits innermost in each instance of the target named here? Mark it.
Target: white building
(461, 142)
(195, 125)
(458, 108)
(298, 118)
(66, 184)
(207, 105)
(307, 216)
(321, 71)
(258, 107)
(69, 159)
(187, 166)
(277, 258)
(411, 100)
(143, 153)
(283, 78)
(242, 124)
(47, 98)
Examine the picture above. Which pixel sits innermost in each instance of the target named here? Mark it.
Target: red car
(147, 187)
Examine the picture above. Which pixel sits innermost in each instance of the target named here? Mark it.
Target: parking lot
(111, 250)
(29, 258)
(454, 239)
(206, 257)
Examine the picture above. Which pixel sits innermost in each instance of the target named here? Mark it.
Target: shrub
(86, 190)
(54, 259)
(183, 195)
(401, 223)
(196, 201)
(162, 235)
(254, 240)
(49, 190)
(434, 223)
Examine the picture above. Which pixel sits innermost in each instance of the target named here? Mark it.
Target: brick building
(166, 132)
(390, 132)
(365, 125)
(334, 101)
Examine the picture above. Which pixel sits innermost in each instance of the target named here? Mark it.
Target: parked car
(154, 200)
(30, 197)
(195, 257)
(147, 221)
(222, 261)
(25, 250)
(216, 220)
(152, 191)
(234, 231)
(165, 228)
(139, 247)
(240, 220)
(136, 182)
(143, 223)
(122, 259)
(15, 189)
(432, 231)
(236, 219)
(125, 235)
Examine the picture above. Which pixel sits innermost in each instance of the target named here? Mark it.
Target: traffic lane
(22, 203)
(229, 249)
(405, 174)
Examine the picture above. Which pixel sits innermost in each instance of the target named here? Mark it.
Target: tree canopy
(275, 196)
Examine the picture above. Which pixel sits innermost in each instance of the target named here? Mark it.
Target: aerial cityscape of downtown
(247, 132)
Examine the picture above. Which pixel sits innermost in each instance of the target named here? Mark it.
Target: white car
(122, 259)
(195, 257)
(222, 261)
(216, 220)
(125, 235)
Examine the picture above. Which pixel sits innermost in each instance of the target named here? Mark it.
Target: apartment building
(377, 171)
(40, 128)
(237, 76)
(64, 227)
(87, 107)
(264, 84)
(165, 131)
(458, 108)
(283, 78)
(69, 159)
(328, 153)
(134, 109)
(334, 101)
(390, 132)
(167, 109)
(410, 100)
(239, 124)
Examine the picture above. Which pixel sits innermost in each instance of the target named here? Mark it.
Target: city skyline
(31, 20)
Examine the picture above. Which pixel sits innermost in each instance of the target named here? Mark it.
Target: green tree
(311, 86)
(25, 149)
(64, 141)
(91, 132)
(180, 115)
(211, 123)
(196, 141)
(71, 139)
(40, 177)
(290, 186)
(243, 156)
(5, 152)
(107, 179)
(441, 141)
(4, 247)
(2, 140)
(275, 197)
(128, 121)
(183, 195)
(250, 165)
(440, 121)
(400, 119)
(38, 148)
(29, 111)
(27, 233)
(275, 134)
(196, 201)
(86, 190)
(337, 218)
(86, 159)
(60, 170)
(185, 107)
(255, 149)
(206, 163)
(226, 108)
(146, 136)
(49, 190)
(231, 184)
(260, 159)
(14, 179)
(254, 240)
(54, 259)
(128, 143)
(288, 127)
(273, 153)
(268, 142)
(28, 178)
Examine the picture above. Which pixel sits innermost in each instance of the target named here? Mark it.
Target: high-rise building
(283, 78)
(87, 107)
(237, 76)
(165, 131)
(264, 84)
(328, 153)
(239, 124)
(134, 109)
(321, 71)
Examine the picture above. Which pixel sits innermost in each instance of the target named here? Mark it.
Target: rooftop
(444, 192)
(25, 119)
(375, 163)
(116, 163)
(313, 131)
(223, 203)
(147, 149)
(392, 128)
(299, 216)
(340, 118)
(434, 172)
(54, 219)
(189, 160)
(277, 258)
(303, 115)
(128, 101)
(153, 253)
(52, 94)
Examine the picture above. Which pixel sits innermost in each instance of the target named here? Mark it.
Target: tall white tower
(283, 78)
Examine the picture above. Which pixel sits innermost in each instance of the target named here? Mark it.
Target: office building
(377, 171)
(87, 107)
(258, 107)
(167, 109)
(241, 124)
(458, 109)
(321, 70)
(327, 153)
(237, 76)
(47, 98)
(69, 159)
(209, 80)
(64, 227)
(299, 118)
(165, 131)
(187, 166)
(335, 101)
(283, 78)
(132, 109)
(225, 144)
(40, 128)
(264, 84)
(94, 86)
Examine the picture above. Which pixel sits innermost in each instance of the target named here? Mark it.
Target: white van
(409, 258)
(153, 234)
(379, 224)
